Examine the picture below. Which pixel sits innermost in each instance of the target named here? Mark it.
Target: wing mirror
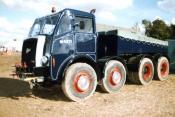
(76, 25)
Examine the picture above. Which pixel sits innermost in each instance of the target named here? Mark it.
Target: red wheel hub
(115, 76)
(82, 82)
(147, 71)
(164, 69)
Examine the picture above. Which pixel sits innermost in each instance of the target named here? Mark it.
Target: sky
(17, 16)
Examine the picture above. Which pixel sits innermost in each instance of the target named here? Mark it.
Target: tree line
(159, 29)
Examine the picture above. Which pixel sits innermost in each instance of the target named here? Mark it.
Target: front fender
(74, 59)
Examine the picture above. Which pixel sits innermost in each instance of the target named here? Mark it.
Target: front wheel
(80, 82)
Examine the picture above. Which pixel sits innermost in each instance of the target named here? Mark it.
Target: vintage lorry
(64, 48)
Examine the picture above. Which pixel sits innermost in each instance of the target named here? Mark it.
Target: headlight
(44, 60)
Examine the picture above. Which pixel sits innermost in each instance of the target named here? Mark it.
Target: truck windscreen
(44, 25)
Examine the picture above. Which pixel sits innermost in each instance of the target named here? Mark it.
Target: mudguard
(74, 59)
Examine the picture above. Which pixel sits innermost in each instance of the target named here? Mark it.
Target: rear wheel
(80, 82)
(162, 69)
(114, 76)
(145, 72)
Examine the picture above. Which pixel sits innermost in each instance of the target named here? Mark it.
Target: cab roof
(75, 12)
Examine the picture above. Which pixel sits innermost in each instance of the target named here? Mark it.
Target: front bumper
(23, 72)
(41, 71)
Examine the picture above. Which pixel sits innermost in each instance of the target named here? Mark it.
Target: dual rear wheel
(147, 71)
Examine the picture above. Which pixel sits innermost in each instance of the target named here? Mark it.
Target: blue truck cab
(63, 48)
(60, 39)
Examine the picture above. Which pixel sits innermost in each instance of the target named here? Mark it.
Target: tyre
(80, 82)
(114, 76)
(162, 69)
(145, 72)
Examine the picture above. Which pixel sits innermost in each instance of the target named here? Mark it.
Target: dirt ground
(17, 100)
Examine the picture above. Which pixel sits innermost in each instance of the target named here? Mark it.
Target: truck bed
(118, 43)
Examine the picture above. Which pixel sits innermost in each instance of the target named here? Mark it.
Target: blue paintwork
(61, 52)
(114, 45)
(85, 43)
(66, 51)
(129, 46)
(61, 60)
(78, 44)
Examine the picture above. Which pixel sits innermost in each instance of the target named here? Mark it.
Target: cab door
(62, 46)
(85, 37)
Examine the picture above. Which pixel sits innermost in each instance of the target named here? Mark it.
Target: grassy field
(18, 100)
(6, 63)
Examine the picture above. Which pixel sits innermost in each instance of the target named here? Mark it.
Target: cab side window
(85, 25)
(65, 25)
